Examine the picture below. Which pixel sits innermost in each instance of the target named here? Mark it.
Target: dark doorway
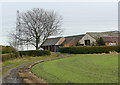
(87, 42)
(46, 47)
(50, 48)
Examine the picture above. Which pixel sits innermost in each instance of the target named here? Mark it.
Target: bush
(8, 52)
(34, 53)
(8, 49)
(8, 56)
(89, 49)
(101, 41)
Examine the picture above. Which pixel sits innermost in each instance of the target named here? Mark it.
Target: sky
(78, 17)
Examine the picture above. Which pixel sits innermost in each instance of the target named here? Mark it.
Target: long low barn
(53, 44)
(90, 38)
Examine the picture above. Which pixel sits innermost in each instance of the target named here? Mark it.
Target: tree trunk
(37, 44)
(37, 48)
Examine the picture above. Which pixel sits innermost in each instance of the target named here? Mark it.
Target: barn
(53, 44)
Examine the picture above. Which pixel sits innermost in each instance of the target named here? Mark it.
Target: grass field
(79, 68)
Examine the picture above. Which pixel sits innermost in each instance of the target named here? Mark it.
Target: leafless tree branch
(37, 25)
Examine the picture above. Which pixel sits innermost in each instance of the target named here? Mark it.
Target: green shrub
(8, 52)
(101, 42)
(89, 49)
(8, 56)
(9, 49)
(34, 53)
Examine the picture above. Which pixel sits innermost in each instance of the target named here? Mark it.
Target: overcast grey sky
(78, 17)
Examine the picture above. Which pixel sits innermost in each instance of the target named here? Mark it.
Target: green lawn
(80, 68)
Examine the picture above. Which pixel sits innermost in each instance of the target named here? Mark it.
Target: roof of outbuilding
(51, 41)
(76, 37)
(96, 35)
(111, 38)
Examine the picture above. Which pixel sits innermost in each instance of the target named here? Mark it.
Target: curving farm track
(12, 75)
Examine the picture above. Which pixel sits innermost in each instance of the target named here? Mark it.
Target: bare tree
(36, 25)
(12, 41)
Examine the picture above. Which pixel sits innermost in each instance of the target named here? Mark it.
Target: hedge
(8, 56)
(8, 53)
(89, 49)
(34, 53)
(8, 49)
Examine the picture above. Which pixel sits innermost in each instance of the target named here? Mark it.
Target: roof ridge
(74, 35)
(102, 32)
(66, 36)
(54, 37)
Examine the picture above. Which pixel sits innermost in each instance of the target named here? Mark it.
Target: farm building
(91, 37)
(111, 40)
(72, 40)
(52, 44)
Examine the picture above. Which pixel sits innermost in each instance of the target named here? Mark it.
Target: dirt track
(12, 75)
